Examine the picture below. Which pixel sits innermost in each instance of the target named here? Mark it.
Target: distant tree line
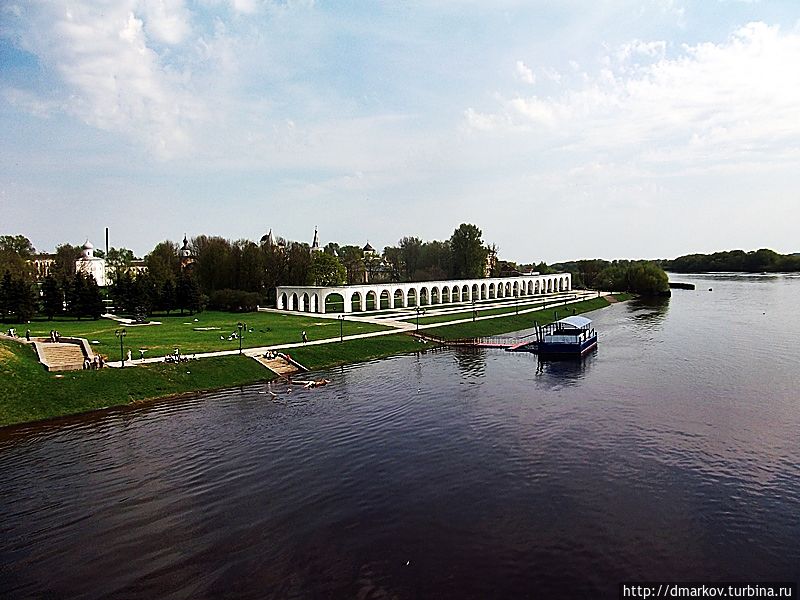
(636, 276)
(229, 275)
(755, 261)
(62, 292)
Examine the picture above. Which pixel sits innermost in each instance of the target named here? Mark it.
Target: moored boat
(571, 336)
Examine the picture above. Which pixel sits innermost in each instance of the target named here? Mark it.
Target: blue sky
(565, 130)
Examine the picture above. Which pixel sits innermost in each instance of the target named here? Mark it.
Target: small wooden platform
(278, 365)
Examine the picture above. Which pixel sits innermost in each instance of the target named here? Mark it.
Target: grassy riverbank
(204, 332)
(29, 393)
(500, 325)
(354, 351)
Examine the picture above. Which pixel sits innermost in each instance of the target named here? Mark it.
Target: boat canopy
(575, 322)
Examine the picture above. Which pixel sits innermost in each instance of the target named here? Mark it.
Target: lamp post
(474, 311)
(516, 302)
(341, 328)
(240, 327)
(121, 333)
(419, 311)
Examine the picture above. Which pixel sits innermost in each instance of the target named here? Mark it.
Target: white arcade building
(380, 296)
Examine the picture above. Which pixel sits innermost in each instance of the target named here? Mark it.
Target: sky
(564, 130)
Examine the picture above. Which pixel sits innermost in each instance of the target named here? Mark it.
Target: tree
(187, 293)
(84, 298)
(6, 294)
(64, 268)
(15, 252)
(410, 250)
(352, 259)
(212, 254)
(167, 298)
(52, 297)
(469, 253)
(121, 292)
(326, 270)
(298, 263)
(392, 258)
(640, 277)
(118, 262)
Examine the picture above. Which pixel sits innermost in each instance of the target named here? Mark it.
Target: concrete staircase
(61, 356)
(279, 365)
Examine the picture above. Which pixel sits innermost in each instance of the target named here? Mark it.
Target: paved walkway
(397, 327)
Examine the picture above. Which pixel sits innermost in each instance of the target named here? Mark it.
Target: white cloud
(736, 99)
(111, 77)
(167, 20)
(524, 73)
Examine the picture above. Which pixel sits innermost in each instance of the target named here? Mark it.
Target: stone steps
(60, 356)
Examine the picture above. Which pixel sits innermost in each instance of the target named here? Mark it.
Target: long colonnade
(384, 296)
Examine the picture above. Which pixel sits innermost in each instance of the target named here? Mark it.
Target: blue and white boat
(571, 336)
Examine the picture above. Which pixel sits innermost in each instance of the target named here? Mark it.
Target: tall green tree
(410, 251)
(52, 297)
(326, 270)
(15, 252)
(188, 295)
(352, 257)
(64, 268)
(118, 262)
(468, 252)
(84, 298)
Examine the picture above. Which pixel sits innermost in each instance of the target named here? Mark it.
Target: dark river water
(671, 453)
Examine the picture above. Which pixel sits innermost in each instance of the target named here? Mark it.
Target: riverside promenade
(398, 321)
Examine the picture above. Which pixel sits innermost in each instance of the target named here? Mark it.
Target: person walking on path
(28, 335)
(305, 337)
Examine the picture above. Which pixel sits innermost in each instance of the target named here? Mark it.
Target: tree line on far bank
(239, 275)
(755, 261)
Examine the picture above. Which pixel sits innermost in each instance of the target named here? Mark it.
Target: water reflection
(649, 312)
(471, 362)
(566, 369)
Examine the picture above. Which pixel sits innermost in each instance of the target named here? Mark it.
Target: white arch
(313, 298)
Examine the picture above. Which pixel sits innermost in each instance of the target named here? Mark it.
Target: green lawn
(188, 333)
(467, 314)
(352, 351)
(512, 322)
(30, 393)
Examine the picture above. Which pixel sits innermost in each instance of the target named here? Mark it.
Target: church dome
(88, 245)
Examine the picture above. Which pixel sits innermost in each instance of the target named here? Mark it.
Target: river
(670, 453)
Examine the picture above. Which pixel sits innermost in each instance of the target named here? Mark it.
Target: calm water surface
(672, 453)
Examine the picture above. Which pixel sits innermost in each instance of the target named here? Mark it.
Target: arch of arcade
(421, 293)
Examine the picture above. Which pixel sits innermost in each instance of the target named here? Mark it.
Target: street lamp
(419, 311)
(121, 333)
(474, 311)
(341, 327)
(240, 326)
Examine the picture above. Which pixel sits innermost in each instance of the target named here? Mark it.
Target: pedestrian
(129, 355)
(86, 363)
(95, 363)
(28, 335)
(305, 337)
(101, 362)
